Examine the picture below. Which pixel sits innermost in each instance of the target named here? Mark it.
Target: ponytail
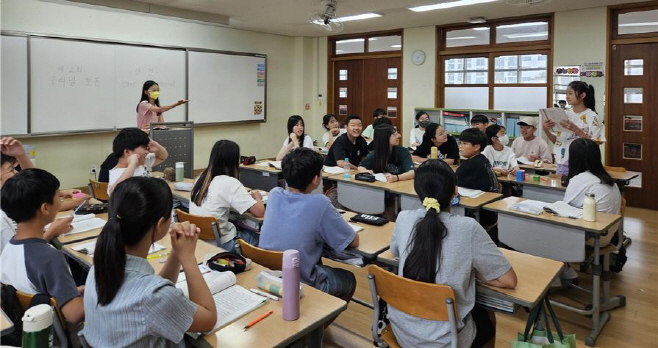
(109, 261)
(580, 87)
(136, 206)
(434, 183)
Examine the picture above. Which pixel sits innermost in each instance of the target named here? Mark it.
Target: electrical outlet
(92, 169)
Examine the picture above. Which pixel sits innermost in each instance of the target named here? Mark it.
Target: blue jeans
(247, 236)
(335, 281)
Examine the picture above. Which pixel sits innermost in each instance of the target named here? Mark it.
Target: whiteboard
(133, 66)
(13, 91)
(71, 85)
(225, 87)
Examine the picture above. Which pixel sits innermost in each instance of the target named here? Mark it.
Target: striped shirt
(148, 311)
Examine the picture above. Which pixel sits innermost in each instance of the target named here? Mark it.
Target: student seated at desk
(369, 131)
(416, 134)
(436, 135)
(297, 219)
(14, 157)
(475, 172)
(29, 263)
(296, 137)
(501, 157)
(126, 303)
(388, 156)
(332, 128)
(528, 145)
(137, 154)
(378, 122)
(480, 122)
(437, 247)
(217, 191)
(350, 145)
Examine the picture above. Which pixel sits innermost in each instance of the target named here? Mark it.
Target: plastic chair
(98, 190)
(59, 324)
(268, 258)
(423, 300)
(207, 224)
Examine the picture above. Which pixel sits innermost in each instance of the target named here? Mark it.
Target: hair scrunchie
(431, 203)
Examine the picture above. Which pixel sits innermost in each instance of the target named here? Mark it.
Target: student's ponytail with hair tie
(589, 101)
(434, 183)
(136, 206)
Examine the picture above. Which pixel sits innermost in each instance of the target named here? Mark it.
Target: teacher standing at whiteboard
(149, 109)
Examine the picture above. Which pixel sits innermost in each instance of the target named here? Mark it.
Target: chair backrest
(59, 325)
(98, 190)
(423, 300)
(268, 258)
(207, 224)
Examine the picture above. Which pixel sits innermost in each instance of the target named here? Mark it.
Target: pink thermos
(290, 284)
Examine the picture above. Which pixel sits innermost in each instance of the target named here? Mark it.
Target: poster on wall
(592, 69)
(570, 70)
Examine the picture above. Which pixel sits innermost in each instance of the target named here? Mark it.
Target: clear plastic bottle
(589, 207)
(346, 169)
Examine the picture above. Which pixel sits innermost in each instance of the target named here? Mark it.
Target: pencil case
(272, 281)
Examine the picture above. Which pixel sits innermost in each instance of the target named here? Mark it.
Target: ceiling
(291, 17)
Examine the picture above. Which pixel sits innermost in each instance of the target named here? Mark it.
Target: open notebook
(559, 208)
(231, 300)
(83, 223)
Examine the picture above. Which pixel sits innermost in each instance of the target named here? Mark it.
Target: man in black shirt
(350, 145)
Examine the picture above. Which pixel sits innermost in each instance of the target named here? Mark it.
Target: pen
(157, 256)
(253, 322)
(264, 294)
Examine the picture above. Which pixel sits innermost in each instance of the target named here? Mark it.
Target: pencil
(253, 322)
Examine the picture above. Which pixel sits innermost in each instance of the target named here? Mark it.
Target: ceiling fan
(325, 19)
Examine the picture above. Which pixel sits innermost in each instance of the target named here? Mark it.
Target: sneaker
(568, 273)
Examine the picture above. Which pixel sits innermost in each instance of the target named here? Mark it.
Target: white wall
(418, 81)
(69, 157)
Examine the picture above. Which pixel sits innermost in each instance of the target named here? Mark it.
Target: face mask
(504, 140)
(154, 95)
(423, 124)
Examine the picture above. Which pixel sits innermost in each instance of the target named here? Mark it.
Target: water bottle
(290, 270)
(346, 169)
(180, 171)
(38, 327)
(589, 207)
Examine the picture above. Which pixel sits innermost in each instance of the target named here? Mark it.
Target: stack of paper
(495, 303)
(333, 170)
(381, 177)
(469, 193)
(83, 223)
(183, 186)
(529, 206)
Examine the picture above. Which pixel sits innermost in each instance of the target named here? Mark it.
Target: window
(637, 22)
(527, 68)
(350, 46)
(519, 32)
(467, 37)
(385, 43)
(367, 43)
(467, 71)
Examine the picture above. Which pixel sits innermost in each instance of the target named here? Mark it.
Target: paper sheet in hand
(381, 177)
(356, 228)
(85, 223)
(469, 193)
(333, 170)
(556, 115)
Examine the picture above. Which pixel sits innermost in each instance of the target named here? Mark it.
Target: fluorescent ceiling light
(528, 24)
(349, 40)
(638, 24)
(448, 5)
(481, 28)
(396, 46)
(516, 36)
(358, 17)
(461, 38)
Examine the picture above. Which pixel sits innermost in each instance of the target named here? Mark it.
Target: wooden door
(348, 89)
(383, 89)
(633, 129)
(362, 85)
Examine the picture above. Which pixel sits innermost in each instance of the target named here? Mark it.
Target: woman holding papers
(126, 304)
(582, 122)
(435, 246)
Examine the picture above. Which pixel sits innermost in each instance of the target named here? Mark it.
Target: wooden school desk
(260, 176)
(545, 167)
(561, 239)
(546, 190)
(373, 240)
(534, 275)
(316, 307)
(362, 196)
(72, 238)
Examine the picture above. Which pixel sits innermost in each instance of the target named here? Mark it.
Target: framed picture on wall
(632, 123)
(632, 151)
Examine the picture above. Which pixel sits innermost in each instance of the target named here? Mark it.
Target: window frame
(622, 9)
(365, 36)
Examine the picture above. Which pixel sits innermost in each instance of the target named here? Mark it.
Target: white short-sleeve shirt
(589, 122)
(308, 142)
(143, 170)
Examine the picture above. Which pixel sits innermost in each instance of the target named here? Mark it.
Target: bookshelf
(456, 120)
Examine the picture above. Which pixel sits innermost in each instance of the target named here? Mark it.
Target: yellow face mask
(154, 95)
